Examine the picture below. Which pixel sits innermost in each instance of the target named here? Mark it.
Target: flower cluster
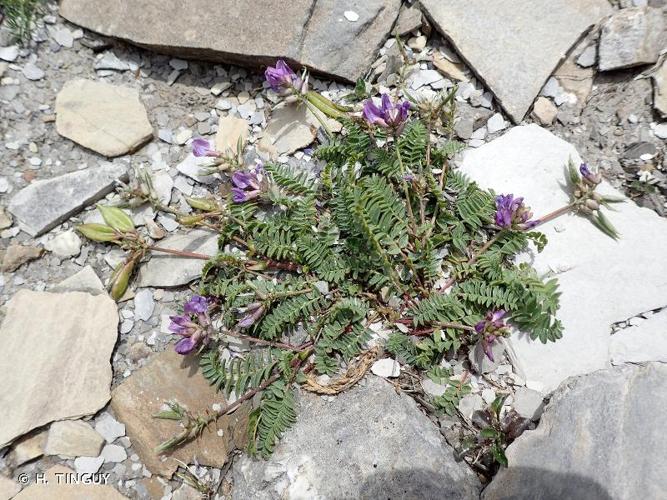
(201, 147)
(491, 327)
(388, 115)
(193, 325)
(247, 185)
(511, 213)
(282, 78)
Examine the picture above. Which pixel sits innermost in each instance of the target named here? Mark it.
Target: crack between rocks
(624, 324)
(304, 31)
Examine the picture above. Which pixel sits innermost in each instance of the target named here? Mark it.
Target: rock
(44, 204)
(496, 123)
(5, 219)
(110, 428)
(10, 53)
(85, 280)
(409, 19)
(528, 403)
(314, 34)
(575, 80)
(290, 128)
(62, 342)
(481, 363)
(113, 453)
(433, 389)
(88, 465)
(186, 492)
(417, 43)
(545, 111)
(424, 77)
(660, 90)
(73, 438)
(588, 57)
(623, 275)
(192, 167)
(28, 448)
(165, 270)
(531, 34)
(109, 119)
(63, 37)
(392, 450)
(660, 130)
(67, 244)
(171, 377)
(631, 37)
(16, 255)
(59, 483)
(143, 304)
(601, 436)
(32, 72)
(386, 367)
(469, 404)
(8, 488)
(163, 184)
(646, 341)
(449, 69)
(230, 130)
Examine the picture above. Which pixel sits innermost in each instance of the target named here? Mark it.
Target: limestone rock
(172, 377)
(646, 341)
(311, 33)
(575, 79)
(230, 130)
(8, 488)
(73, 438)
(46, 203)
(386, 367)
(545, 111)
(376, 443)
(601, 436)
(28, 448)
(67, 244)
(56, 486)
(528, 403)
(16, 255)
(623, 276)
(85, 280)
(165, 270)
(109, 428)
(108, 119)
(660, 90)
(290, 128)
(534, 34)
(449, 69)
(409, 19)
(631, 37)
(56, 358)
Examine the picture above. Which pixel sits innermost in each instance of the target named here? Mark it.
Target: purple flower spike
(491, 327)
(245, 180)
(282, 77)
(179, 324)
(201, 147)
(196, 305)
(588, 175)
(185, 346)
(247, 186)
(511, 213)
(388, 115)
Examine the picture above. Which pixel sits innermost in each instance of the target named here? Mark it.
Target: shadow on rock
(518, 483)
(408, 484)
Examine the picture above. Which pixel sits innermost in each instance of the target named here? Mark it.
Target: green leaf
(499, 455)
(489, 433)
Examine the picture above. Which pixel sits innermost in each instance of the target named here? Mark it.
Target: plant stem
(181, 253)
(280, 345)
(319, 117)
(553, 215)
(448, 284)
(406, 192)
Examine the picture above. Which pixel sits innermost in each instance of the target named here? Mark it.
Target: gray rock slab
(46, 203)
(601, 437)
(631, 37)
(316, 34)
(369, 442)
(55, 363)
(647, 341)
(85, 280)
(165, 270)
(514, 45)
(602, 281)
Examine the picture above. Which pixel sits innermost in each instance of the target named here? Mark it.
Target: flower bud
(592, 204)
(121, 278)
(98, 232)
(116, 218)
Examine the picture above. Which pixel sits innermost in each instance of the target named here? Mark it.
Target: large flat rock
(55, 358)
(313, 33)
(514, 45)
(44, 204)
(109, 119)
(601, 437)
(602, 281)
(172, 377)
(369, 442)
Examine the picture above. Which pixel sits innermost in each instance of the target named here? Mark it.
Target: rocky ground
(80, 112)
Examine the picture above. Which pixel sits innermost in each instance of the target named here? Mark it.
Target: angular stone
(85, 280)
(623, 276)
(528, 403)
(545, 111)
(230, 130)
(88, 465)
(110, 428)
(449, 69)
(602, 436)
(143, 304)
(386, 367)
(73, 438)
(16, 255)
(28, 448)
(193, 167)
(113, 453)
(290, 128)
(647, 341)
(56, 358)
(172, 377)
(311, 33)
(109, 119)
(660, 90)
(44, 204)
(534, 34)
(8, 488)
(631, 37)
(56, 486)
(64, 245)
(575, 79)
(165, 270)
(377, 443)
(409, 19)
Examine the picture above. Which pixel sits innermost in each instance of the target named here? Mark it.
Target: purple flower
(193, 325)
(281, 77)
(246, 186)
(253, 312)
(589, 176)
(491, 327)
(185, 346)
(388, 115)
(201, 147)
(196, 305)
(511, 213)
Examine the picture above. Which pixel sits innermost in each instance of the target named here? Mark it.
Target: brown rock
(28, 448)
(73, 438)
(59, 485)
(16, 255)
(449, 69)
(230, 130)
(5, 219)
(171, 377)
(290, 128)
(409, 19)
(575, 79)
(545, 111)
